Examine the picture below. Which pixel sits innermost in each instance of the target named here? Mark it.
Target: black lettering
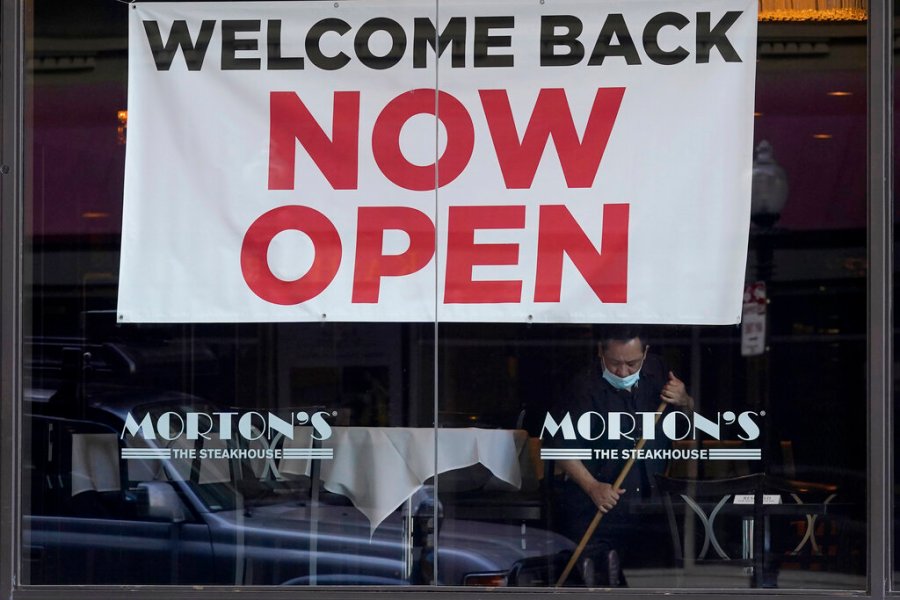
(314, 52)
(614, 26)
(651, 38)
(484, 41)
(550, 40)
(398, 43)
(274, 60)
(716, 37)
(179, 36)
(231, 45)
(424, 32)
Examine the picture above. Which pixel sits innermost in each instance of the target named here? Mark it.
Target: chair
(718, 516)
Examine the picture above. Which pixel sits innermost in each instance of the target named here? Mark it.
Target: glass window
(778, 405)
(895, 11)
(438, 453)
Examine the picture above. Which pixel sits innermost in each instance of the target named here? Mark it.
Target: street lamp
(768, 196)
(769, 189)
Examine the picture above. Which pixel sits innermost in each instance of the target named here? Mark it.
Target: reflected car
(104, 510)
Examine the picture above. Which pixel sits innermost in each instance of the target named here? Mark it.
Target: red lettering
(255, 248)
(372, 264)
(605, 271)
(386, 140)
(551, 117)
(290, 122)
(463, 254)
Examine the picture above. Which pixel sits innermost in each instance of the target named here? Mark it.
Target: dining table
(380, 468)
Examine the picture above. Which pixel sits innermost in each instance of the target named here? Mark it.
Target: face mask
(621, 383)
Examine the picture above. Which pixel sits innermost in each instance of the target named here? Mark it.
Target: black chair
(713, 521)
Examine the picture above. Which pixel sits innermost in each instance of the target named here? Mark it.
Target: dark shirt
(590, 392)
(635, 537)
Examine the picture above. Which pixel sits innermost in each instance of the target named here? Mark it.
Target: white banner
(561, 161)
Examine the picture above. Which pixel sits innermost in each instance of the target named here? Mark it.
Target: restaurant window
(333, 450)
(895, 372)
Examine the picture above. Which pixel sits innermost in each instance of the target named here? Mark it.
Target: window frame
(880, 242)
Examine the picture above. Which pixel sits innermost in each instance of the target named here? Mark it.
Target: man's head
(622, 350)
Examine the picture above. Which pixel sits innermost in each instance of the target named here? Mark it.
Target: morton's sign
(558, 161)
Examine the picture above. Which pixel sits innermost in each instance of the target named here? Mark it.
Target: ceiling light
(822, 136)
(812, 10)
(122, 127)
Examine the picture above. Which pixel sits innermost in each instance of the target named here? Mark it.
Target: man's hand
(676, 394)
(603, 495)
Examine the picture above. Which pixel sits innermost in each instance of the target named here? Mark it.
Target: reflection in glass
(140, 467)
(789, 510)
(107, 505)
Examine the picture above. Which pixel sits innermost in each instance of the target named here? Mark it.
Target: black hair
(619, 333)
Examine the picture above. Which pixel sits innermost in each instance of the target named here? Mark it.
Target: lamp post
(768, 197)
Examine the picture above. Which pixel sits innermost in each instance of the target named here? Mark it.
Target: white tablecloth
(95, 462)
(378, 468)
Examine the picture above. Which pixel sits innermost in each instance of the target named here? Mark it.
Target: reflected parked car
(110, 508)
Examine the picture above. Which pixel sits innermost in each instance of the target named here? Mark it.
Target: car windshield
(230, 462)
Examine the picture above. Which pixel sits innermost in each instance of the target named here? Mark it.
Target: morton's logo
(674, 426)
(295, 435)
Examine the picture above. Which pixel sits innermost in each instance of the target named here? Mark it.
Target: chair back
(710, 520)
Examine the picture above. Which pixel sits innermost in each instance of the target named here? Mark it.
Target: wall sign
(559, 161)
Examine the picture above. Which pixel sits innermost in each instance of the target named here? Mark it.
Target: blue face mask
(621, 383)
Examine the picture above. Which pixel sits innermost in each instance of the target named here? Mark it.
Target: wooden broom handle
(599, 516)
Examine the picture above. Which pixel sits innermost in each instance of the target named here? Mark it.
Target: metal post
(11, 218)
(880, 325)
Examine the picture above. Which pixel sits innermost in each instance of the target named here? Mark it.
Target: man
(624, 379)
